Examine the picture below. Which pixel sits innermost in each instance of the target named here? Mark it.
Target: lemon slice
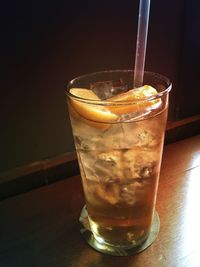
(134, 95)
(93, 112)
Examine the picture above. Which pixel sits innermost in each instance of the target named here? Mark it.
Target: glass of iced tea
(119, 133)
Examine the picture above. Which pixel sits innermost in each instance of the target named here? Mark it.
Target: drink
(119, 143)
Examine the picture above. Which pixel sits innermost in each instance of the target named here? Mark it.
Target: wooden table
(40, 228)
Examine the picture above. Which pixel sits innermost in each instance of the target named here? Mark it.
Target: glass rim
(108, 102)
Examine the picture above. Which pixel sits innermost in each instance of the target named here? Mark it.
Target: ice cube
(107, 89)
(134, 116)
(108, 166)
(144, 136)
(139, 164)
(114, 137)
(109, 193)
(86, 162)
(129, 192)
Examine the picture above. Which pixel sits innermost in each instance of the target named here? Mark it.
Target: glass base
(115, 250)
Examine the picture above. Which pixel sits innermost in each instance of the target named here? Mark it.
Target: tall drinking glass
(119, 133)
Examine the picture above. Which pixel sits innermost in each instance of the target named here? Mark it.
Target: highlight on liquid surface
(119, 149)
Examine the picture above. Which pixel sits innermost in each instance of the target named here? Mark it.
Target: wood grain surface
(40, 228)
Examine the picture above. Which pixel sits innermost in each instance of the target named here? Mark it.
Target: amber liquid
(120, 169)
(125, 223)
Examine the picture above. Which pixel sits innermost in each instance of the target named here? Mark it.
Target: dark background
(44, 45)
